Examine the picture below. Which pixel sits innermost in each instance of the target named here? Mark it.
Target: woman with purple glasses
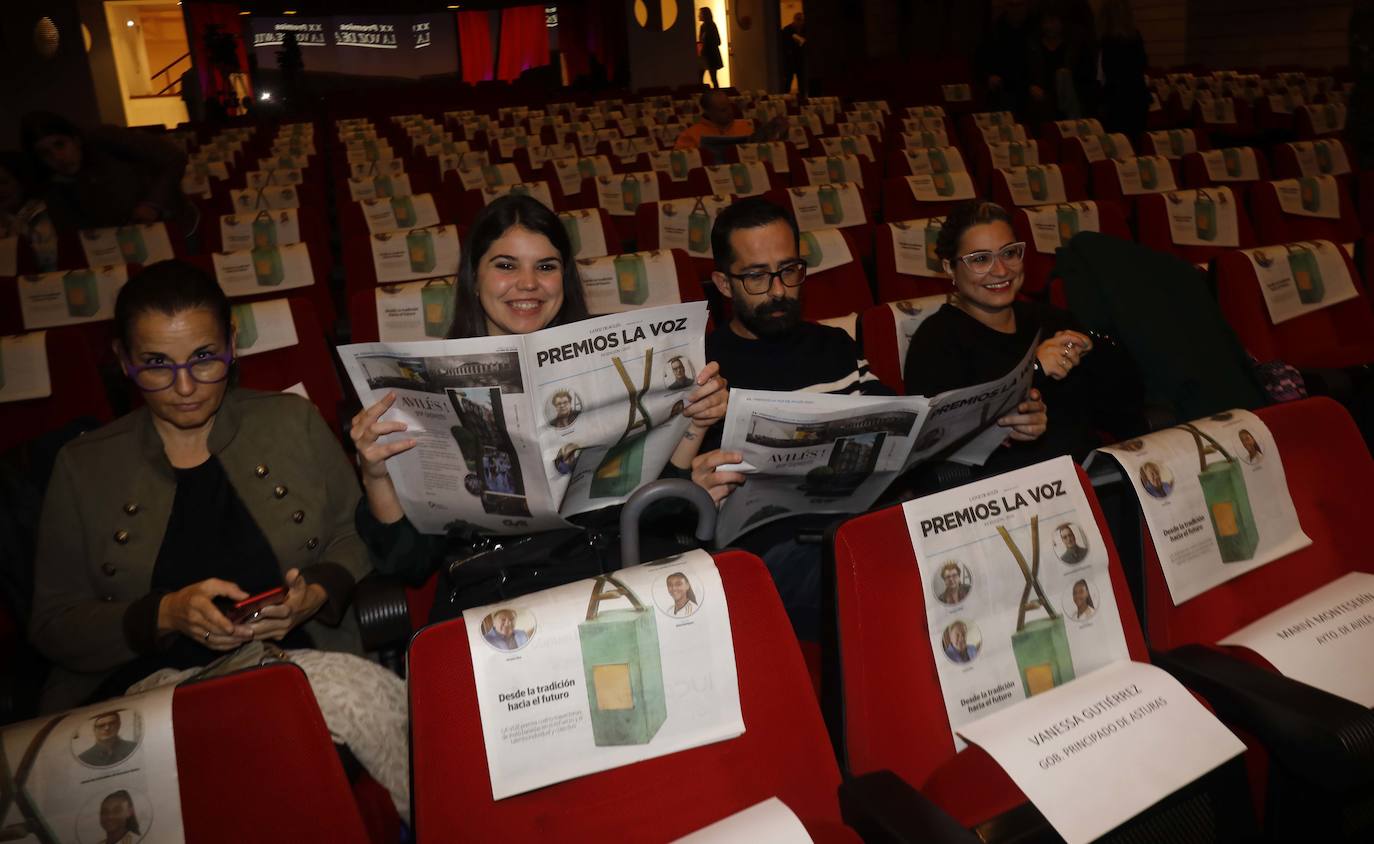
(209, 494)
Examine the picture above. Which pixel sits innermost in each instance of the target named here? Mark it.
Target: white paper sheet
(1052, 225)
(1298, 278)
(1203, 217)
(769, 822)
(24, 367)
(263, 327)
(257, 271)
(1310, 196)
(65, 298)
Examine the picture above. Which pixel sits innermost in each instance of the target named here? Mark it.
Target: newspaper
(585, 232)
(822, 453)
(913, 247)
(616, 283)
(604, 672)
(24, 367)
(416, 310)
(827, 206)
(516, 432)
(1215, 499)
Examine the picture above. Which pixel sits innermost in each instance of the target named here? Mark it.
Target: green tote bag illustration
(622, 666)
(586, 168)
(1037, 182)
(1310, 194)
(1149, 176)
(420, 250)
(740, 176)
(677, 164)
(1016, 154)
(268, 267)
(1322, 152)
(131, 244)
(1227, 499)
(574, 231)
(832, 212)
(436, 302)
(938, 162)
(810, 250)
(849, 146)
(619, 471)
(264, 231)
(834, 170)
(81, 292)
(699, 229)
(382, 187)
(491, 175)
(1108, 144)
(403, 210)
(1307, 274)
(630, 193)
(1175, 143)
(1041, 647)
(1205, 216)
(1067, 218)
(245, 326)
(631, 279)
(1230, 157)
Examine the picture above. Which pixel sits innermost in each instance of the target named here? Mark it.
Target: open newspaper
(515, 433)
(823, 453)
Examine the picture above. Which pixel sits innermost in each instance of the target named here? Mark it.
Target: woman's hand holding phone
(303, 600)
(191, 611)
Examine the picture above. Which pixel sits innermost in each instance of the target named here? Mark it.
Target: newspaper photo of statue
(494, 476)
(852, 460)
(623, 666)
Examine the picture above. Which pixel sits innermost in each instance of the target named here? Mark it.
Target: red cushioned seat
(1075, 185)
(784, 751)
(321, 264)
(1274, 226)
(360, 272)
(1152, 226)
(309, 362)
(839, 290)
(1286, 160)
(1039, 266)
(1106, 185)
(900, 204)
(1195, 174)
(861, 234)
(696, 184)
(893, 285)
(77, 390)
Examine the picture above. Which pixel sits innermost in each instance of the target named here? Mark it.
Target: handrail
(173, 63)
(173, 82)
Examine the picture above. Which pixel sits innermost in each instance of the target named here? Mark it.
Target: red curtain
(474, 45)
(591, 29)
(524, 41)
(199, 16)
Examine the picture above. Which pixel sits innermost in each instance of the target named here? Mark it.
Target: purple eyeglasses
(160, 376)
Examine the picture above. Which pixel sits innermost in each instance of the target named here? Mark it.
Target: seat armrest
(882, 807)
(1324, 738)
(383, 613)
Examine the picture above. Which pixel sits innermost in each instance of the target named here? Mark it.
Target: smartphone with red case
(246, 611)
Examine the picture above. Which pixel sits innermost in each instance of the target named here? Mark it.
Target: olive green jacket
(107, 508)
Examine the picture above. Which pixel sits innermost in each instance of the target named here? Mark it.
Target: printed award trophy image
(933, 262)
(264, 231)
(1309, 191)
(1067, 217)
(1038, 184)
(677, 164)
(739, 175)
(403, 209)
(1041, 646)
(131, 245)
(1016, 154)
(420, 249)
(1149, 177)
(574, 231)
(245, 326)
(268, 268)
(436, 300)
(1230, 157)
(623, 665)
(831, 210)
(630, 193)
(1322, 152)
(619, 471)
(834, 169)
(1205, 215)
(698, 228)
(810, 250)
(1307, 274)
(631, 279)
(1228, 500)
(82, 294)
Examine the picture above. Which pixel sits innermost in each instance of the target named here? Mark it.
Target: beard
(771, 319)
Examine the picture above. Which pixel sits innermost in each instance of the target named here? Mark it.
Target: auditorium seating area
(296, 218)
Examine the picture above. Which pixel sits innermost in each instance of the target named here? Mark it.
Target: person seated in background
(718, 120)
(517, 275)
(208, 493)
(984, 331)
(106, 176)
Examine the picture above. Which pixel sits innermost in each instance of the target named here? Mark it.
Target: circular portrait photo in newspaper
(910, 307)
(1157, 480)
(677, 409)
(107, 738)
(1069, 542)
(508, 629)
(961, 641)
(1079, 600)
(1133, 445)
(952, 583)
(120, 815)
(676, 596)
(1250, 450)
(563, 408)
(678, 373)
(565, 461)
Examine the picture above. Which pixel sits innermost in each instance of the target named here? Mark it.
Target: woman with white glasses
(984, 331)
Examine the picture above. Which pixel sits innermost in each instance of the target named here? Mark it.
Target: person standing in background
(1125, 98)
(708, 45)
(793, 54)
(1001, 58)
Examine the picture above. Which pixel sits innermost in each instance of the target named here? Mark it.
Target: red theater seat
(840, 290)
(1152, 224)
(1075, 186)
(77, 390)
(1272, 225)
(1039, 266)
(310, 362)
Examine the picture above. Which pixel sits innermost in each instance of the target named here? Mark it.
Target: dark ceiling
(335, 7)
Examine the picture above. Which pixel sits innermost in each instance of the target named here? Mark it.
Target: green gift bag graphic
(932, 233)
(631, 279)
(677, 164)
(1329, 116)
(1016, 154)
(131, 244)
(268, 267)
(1227, 499)
(82, 293)
(622, 666)
(264, 231)
(831, 209)
(1310, 194)
(436, 303)
(1109, 148)
(834, 169)
(1067, 218)
(810, 250)
(630, 193)
(1176, 143)
(403, 210)
(1230, 157)
(938, 162)
(574, 231)
(420, 250)
(1205, 216)
(699, 228)
(1149, 176)
(245, 326)
(1323, 156)
(382, 187)
(743, 181)
(1006, 133)
(619, 471)
(1037, 183)
(370, 149)
(586, 168)
(943, 184)
(927, 139)
(1041, 647)
(850, 146)
(491, 174)
(1307, 274)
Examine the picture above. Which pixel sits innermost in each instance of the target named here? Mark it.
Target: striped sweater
(813, 358)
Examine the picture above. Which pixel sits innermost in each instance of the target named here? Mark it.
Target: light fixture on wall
(667, 13)
(129, 24)
(46, 37)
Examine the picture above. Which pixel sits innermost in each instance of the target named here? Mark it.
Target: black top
(818, 358)
(792, 53)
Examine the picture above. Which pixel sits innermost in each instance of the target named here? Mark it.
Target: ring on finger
(206, 637)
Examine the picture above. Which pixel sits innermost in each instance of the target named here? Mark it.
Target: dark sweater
(815, 358)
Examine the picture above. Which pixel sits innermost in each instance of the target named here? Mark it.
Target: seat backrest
(1152, 225)
(1272, 225)
(309, 362)
(894, 285)
(784, 751)
(269, 716)
(1039, 266)
(77, 391)
(1075, 184)
(894, 713)
(1336, 336)
(837, 291)
(899, 203)
(1286, 165)
(1329, 470)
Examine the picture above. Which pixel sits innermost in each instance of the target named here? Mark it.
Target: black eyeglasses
(758, 281)
(210, 369)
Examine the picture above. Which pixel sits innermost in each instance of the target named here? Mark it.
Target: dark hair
(130, 825)
(1086, 591)
(750, 213)
(961, 218)
(169, 287)
(504, 213)
(37, 125)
